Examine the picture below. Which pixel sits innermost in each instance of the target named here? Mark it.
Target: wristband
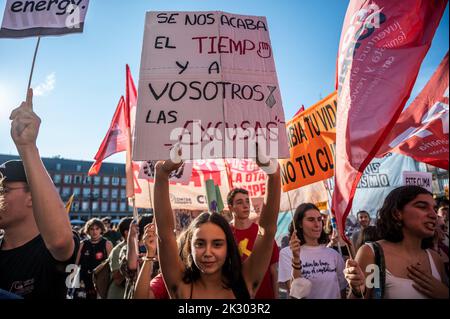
(149, 258)
(296, 267)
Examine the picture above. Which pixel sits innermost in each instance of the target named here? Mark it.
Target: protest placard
(422, 179)
(208, 81)
(311, 141)
(43, 18)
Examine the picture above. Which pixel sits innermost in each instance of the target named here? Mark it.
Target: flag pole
(290, 207)
(34, 61)
(333, 223)
(135, 211)
(150, 196)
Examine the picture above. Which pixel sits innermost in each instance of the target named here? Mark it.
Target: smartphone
(142, 249)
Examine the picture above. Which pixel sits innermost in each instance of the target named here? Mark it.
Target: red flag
(302, 109)
(115, 141)
(421, 131)
(131, 103)
(382, 45)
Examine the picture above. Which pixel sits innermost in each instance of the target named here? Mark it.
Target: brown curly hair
(388, 226)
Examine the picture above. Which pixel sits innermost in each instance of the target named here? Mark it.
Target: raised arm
(132, 254)
(255, 266)
(49, 212)
(171, 265)
(142, 289)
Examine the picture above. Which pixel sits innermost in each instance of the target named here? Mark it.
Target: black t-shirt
(31, 271)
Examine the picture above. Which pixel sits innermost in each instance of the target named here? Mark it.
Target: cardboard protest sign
(42, 18)
(208, 81)
(311, 142)
(422, 179)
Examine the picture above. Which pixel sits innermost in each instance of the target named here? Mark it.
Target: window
(114, 193)
(115, 181)
(104, 207)
(76, 191)
(123, 193)
(123, 207)
(58, 166)
(78, 168)
(105, 193)
(86, 192)
(77, 179)
(66, 191)
(75, 206)
(124, 181)
(113, 206)
(87, 180)
(96, 193)
(97, 180)
(106, 180)
(67, 179)
(95, 206)
(57, 178)
(85, 206)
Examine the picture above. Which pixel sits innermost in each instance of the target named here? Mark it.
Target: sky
(79, 78)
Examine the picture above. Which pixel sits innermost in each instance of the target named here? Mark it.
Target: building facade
(97, 196)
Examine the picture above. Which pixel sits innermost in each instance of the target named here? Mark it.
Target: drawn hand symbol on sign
(264, 50)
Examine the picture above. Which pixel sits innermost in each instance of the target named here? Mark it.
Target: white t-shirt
(321, 265)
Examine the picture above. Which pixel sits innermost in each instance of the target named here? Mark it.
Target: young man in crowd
(38, 242)
(363, 221)
(245, 232)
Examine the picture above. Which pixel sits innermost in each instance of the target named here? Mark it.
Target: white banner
(380, 177)
(422, 179)
(208, 80)
(43, 17)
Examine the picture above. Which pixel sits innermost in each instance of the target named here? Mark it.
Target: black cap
(13, 171)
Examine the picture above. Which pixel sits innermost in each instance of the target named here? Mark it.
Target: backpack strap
(380, 262)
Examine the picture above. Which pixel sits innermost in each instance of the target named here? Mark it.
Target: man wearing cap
(38, 242)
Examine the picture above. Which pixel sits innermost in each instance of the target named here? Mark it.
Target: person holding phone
(132, 254)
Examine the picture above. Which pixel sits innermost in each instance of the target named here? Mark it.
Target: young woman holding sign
(308, 257)
(210, 265)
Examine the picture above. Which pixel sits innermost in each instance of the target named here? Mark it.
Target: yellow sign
(311, 137)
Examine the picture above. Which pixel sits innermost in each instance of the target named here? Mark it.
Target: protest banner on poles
(422, 179)
(208, 81)
(187, 195)
(311, 142)
(381, 49)
(43, 18)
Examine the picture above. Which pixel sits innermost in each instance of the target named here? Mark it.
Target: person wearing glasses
(38, 242)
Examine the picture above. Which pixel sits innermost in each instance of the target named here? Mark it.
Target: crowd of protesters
(402, 253)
